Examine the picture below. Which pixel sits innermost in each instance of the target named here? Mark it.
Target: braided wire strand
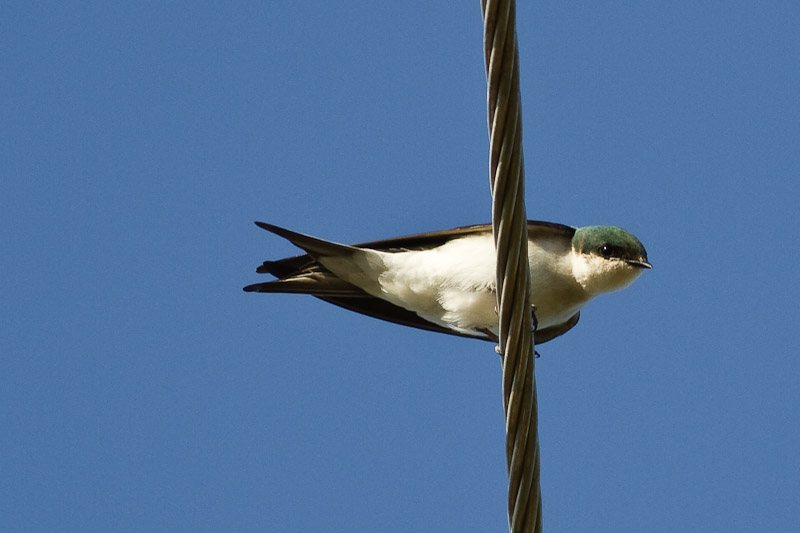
(509, 227)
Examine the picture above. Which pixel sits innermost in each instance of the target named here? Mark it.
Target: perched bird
(445, 281)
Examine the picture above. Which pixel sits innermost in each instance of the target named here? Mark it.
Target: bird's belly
(474, 312)
(471, 311)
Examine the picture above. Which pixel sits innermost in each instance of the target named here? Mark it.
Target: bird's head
(607, 258)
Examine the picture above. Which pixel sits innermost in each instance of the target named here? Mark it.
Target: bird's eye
(606, 250)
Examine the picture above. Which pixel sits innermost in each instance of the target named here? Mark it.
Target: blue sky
(142, 390)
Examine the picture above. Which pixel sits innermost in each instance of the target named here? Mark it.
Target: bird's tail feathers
(305, 274)
(289, 266)
(317, 283)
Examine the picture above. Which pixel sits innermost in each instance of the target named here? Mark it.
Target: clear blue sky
(142, 390)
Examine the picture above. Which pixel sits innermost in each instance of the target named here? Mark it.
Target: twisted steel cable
(510, 230)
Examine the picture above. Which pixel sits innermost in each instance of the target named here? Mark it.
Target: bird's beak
(638, 263)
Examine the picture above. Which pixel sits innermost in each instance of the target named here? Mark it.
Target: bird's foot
(534, 320)
(489, 335)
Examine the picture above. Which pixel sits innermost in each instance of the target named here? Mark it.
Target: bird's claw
(536, 354)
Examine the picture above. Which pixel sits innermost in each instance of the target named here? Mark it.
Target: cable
(510, 230)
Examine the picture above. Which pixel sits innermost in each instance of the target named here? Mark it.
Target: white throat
(598, 274)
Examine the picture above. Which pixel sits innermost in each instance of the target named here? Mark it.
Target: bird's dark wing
(536, 228)
(542, 336)
(383, 310)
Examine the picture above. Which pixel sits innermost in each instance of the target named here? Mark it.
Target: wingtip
(277, 230)
(263, 225)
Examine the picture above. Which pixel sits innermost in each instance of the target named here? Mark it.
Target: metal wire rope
(510, 229)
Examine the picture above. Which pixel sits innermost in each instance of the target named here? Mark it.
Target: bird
(445, 281)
